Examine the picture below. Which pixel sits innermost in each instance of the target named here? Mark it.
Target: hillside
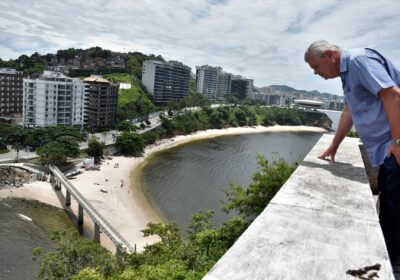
(82, 62)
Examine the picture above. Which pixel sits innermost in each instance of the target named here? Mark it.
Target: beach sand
(116, 192)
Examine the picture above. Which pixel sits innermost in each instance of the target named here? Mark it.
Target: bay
(183, 180)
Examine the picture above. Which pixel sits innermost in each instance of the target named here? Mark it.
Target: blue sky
(260, 39)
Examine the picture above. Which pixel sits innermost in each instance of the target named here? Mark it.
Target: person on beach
(372, 102)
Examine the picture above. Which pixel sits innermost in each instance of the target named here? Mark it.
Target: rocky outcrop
(11, 177)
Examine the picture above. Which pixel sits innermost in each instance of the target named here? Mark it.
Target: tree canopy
(95, 149)
(130, 144)
(57, 152)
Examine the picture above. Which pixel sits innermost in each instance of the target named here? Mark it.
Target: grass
(4, 151)
(46, 217)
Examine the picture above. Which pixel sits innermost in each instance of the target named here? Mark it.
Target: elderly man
(372, 101)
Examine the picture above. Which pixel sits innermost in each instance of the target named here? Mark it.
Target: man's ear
(328, 53)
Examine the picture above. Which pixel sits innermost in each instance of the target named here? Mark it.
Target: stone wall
(11, 177)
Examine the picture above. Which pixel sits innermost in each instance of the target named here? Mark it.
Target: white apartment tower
(53, 99)
(213, 82)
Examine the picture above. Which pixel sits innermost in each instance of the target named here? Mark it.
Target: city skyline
(261, 40)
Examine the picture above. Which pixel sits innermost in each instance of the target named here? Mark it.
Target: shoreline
(116, 191)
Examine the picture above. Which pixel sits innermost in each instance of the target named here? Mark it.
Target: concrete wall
(322, 223)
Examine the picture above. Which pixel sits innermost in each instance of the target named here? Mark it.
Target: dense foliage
(130, 144)
(33, 138)
(174, 256)
(250, 202)
(95, 149)
(28, 64)
(57, 151)
(234, 116)
(133, 103)
(134, 62)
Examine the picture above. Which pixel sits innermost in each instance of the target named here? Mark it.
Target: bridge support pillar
(67, 198)
(80, 215)
(96, 236)
(57, 184)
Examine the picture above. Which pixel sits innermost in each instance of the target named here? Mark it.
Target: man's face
(327, 67)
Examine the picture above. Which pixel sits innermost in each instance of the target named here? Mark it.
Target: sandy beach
(115, 190)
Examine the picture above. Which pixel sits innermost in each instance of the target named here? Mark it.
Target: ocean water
(183, 180)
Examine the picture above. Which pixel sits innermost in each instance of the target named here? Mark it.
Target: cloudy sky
(260, 39)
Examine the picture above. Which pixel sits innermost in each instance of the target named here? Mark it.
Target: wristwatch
(396, 142)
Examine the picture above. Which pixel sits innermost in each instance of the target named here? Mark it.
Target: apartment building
(213, 82)
(166, 80)
(53, 99)
(241, 87)
(11, 92)
(223, 85)
(207, 80)
(100, 103)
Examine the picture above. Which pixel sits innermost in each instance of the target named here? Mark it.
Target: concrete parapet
(321, 224)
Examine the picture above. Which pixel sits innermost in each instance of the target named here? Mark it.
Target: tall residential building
(166, 80)
(11, 92)
(241, 87)
(207, 80)
(223, 85)
(213, 82)
(53, 99)
(100, 103)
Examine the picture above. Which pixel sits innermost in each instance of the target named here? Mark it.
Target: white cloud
(262, 40)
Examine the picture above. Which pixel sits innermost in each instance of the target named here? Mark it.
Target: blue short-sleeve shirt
(364, 72)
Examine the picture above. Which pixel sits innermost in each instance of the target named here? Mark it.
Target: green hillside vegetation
(134, 103)
(134, 62)
(36, 63)
(233, 116)
(120, 78)
(28, 64)
(223, 117)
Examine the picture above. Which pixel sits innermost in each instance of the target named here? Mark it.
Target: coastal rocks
(13, 177)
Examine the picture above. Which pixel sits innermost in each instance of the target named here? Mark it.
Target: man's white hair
(318, 48)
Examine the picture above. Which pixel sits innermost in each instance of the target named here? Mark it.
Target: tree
(144, 107)
(168, 125)
(216, 119)
(72, 254)
(241, 117)
(130, 144)
(174, 105)
(95, 149)
(149, 137)
(250, 202)
(88, 274)
(17, 147)
(56, 152)
(126, 126)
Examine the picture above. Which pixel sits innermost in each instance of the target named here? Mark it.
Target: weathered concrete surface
(321, 223)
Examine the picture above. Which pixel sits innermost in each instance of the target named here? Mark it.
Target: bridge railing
(104, 225)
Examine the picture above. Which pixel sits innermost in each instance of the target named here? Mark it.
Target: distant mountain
(285, 90)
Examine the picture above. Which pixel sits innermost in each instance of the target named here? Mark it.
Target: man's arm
(345, 124)
(391, 103)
